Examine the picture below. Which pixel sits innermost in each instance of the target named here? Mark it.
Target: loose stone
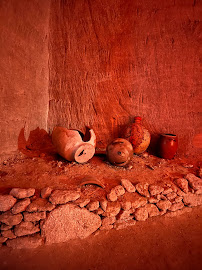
(5, 227)
(82, 202)
(164, 205)
(20, 206)
(167, 190)
(21, 193)
(6, 202)
(112, 195)
(103, 204)
(108, 221)
(128, 185)
(142, 189)
(176, 206)
(141, 214)
(124, 215)
(8, 234)
(119, 190)
(33, 217)
(2, 239)
(152, 210)
(137, 200)
(194, 181)
(9, 219)
(171, 196)
(153, 200)
(64, 196)
(40, 205)
(25, 242)
(46, 192)
(26, 228)
(93, 205)
(113, 208)
(192, 200)
(106, 227)
(126, 205)
(182, 184)
(155, 189)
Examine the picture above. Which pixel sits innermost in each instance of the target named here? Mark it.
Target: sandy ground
(157, 244)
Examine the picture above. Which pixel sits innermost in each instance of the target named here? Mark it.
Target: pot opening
(167, 134)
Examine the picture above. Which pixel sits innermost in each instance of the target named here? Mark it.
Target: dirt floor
(157, 244)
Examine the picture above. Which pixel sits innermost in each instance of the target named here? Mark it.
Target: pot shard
(70, 145)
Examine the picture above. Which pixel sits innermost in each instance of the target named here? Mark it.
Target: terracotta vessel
(71, 146)
(138, 135)
(119, 152)
(168, 144)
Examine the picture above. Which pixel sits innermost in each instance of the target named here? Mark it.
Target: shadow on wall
(38, 144)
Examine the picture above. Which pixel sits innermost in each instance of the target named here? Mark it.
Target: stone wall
(28, 220)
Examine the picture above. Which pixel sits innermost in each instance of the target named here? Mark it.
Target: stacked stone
(61, 215)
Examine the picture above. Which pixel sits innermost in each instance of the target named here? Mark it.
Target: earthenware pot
(71, 146)
(138, 136)
(168, 144)
(119, 152)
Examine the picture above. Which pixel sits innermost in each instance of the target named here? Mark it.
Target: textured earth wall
(113, 60)
(24, 69)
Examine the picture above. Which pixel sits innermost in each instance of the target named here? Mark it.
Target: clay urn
(119, 152)
(138, 136)
(73, 145)
(167, 146)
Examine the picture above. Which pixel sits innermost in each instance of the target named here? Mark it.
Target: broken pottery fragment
(71, 146)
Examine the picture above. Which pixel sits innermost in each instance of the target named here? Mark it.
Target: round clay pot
(168, 144)
(138, 136)
(70, 145)
(119, 152)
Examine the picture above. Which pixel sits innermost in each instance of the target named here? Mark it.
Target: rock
(8, 234)
(167, 190)
(137, 200)
(198, 192)
(178, 199)
(141, 213)
(171, 196)
(82, 202)
(153, 200)
(152, 210)
(21, 193)
(9, 219)
(176, 206)
(164, 205)
(112, 195)
(36, 216)
(2, 239)
(125, 204)
(103, 204)
(6, 202)
(5, 227)
(124, 215)
(64, 196)
(162, 197)
(108, 221)
(194, 181)
(106, 227)
(119, 190)
(93, 205)
(99, 211)
(40, 205)
(128, 185)
(182, 184)
(46, 192)
(20, 206)
(122, 224)
(25, 242)
(69, 222)
(192, 200)
(155, 189)
(181, 193)
(178, 212)
(142, 189)
(113, 208)
(26, 228)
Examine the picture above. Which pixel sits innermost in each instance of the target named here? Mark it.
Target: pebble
(142, 189)
(9, 219)
(46, 192)
(20, 206)
(164, 205)
(128, 185)
(141, 214)
(21, 193)
(6, 202)
(93, 205)
(155, 189)
(182, 184)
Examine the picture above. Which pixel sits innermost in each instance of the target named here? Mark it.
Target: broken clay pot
(71, 146)
(119, 152)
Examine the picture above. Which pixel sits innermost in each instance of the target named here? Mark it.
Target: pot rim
(169, 135)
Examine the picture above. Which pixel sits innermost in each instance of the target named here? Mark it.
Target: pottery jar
(168, 144)
(138, 136)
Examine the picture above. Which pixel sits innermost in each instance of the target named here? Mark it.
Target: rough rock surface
(142, 189)
(40, 205)
(108, 221)
(128, 185)
(171, 196)
(8, 234)
(93, 205)
(194, 181)
(36, 216)
(136, 200)
(21, 193)
(182, 184)
(164, 205)
(5, 227)
(82, 202)
(141, 213)
(2, 239)
(25, 242)
(9, 219)
(20, 206)
(119, 190)
(64, 196)
(69, 222)
(112, 195)
(6, 202)
(46, 192)
(176, 206)
(152, 210)
(113, 208)
(192, 200)
(155, 189)
(26, 228)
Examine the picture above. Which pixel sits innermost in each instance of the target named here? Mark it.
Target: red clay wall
(23, 69)
(113, 60)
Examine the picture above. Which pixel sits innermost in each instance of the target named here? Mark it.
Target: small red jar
(168, 144)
